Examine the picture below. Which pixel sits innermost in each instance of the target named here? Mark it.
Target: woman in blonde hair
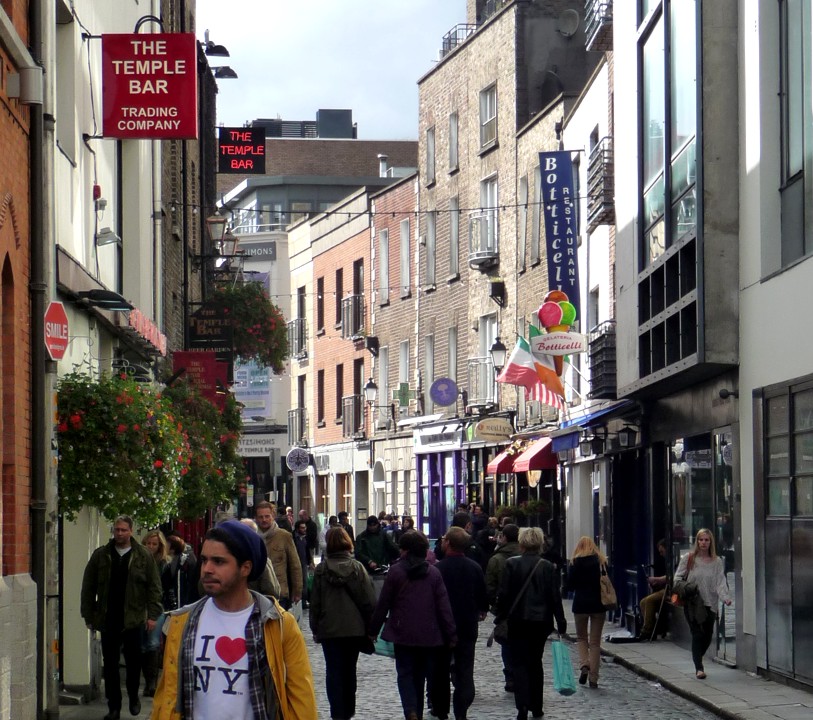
(702, 567)
(584, 581)
(156, 543)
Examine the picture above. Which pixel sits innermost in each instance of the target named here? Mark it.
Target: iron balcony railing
(297, 338)
(352, 416)
(297, 426)
(602, 354)
(482, 381)
(601, 185)
(353, 317)
(456, 36)
(598, 30)
(483, 239)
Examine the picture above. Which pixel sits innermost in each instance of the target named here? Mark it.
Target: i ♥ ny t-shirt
(221, 665)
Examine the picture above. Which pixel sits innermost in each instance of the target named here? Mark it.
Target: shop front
(442, 474)
(339, 481)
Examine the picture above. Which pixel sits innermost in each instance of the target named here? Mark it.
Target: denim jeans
(151, 641)
(413, 665)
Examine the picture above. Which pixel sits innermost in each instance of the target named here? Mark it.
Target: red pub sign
(150, 86)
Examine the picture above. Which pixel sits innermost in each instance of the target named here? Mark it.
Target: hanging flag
(546, 397)
(525, 370)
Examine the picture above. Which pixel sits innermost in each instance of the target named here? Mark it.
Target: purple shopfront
(442, 481)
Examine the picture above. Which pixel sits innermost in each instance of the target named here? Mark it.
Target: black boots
(150, 665)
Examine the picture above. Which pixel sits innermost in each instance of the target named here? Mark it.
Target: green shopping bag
(564, 682)
(384, 647)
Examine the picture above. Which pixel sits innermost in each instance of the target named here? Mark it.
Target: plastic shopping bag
(384, 647)
(564, 682)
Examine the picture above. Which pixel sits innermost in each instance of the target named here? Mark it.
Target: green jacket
(342, 600)
(376, 547)
(142, 595)
(496, 565)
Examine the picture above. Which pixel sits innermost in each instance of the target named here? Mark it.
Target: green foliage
(215, 468)
(121, 449)
(260, 331)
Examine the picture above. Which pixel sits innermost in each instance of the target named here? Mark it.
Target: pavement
(638, 680)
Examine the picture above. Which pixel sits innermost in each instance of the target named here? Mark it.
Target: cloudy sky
(294, 57)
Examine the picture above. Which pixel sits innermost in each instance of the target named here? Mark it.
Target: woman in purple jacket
(420, 619)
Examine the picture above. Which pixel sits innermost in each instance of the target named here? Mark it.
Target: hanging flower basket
(121, 449)
(215, 468)
(260, 332)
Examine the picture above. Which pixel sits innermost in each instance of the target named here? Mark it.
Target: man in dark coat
(473, 551)
(345, 523)
(466, 586)
(507, 547)
(375, 548)
(121, 597)
(312, 531)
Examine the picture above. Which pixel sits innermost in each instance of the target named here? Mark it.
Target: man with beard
(235, 653)
(281, 551)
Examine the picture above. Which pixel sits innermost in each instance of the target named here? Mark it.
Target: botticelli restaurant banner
(150, 86)
(561, 224)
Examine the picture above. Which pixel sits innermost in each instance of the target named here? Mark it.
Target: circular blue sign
(443, 391)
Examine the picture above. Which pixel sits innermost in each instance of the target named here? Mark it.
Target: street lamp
(498, 354)
(216, 227)
(370, 392)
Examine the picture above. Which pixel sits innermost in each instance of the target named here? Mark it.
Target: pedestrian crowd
(220, 634)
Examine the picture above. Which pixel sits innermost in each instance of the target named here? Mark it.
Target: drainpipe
(44, 517)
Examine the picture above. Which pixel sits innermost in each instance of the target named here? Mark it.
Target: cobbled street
(621, 693)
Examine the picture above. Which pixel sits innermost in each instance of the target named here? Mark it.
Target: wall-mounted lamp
(370, 391)
(211, 49)
(725, 393)
(371, 344)
(106, 236)
(104, 299)
(591, 444)
(498, 354)
(627, 436)
(224, 72)
(563, 455)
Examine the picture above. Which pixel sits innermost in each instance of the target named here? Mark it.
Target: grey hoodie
(342, 599)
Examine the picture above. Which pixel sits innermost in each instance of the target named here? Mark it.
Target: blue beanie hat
(250, 544)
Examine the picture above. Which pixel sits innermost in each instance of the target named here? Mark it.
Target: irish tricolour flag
(528, 371)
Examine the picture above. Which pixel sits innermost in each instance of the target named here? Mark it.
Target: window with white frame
(453, 156)
(405, 259)
(429, 369)
(383, 399)
(383, 266)
(430, 156)
(522, 230)
(454, 236)
(452, 340)
(487, 381)
(488, 116)
(431, 245)
(489, 203)
(536, 223)
(403, 362)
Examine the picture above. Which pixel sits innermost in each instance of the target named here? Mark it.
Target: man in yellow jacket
(234, 654)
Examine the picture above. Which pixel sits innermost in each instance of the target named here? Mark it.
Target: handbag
(500, 631)
(564, 682)
(608, 597)
(383, 647)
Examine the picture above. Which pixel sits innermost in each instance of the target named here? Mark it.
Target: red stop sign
(56, 330)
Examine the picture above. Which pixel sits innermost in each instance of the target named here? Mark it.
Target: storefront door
(702, 492)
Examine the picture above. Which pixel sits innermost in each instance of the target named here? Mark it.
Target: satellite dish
(568, 23)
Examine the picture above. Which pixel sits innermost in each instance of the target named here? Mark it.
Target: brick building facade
(18, 605)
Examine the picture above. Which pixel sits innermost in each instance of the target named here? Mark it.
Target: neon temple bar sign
(561, 225)
(241, 150)
(150, 86)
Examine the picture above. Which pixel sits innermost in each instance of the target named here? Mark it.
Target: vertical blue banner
(561, 224)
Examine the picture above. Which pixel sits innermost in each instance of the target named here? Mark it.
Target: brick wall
(17, 592)
(338, 242)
